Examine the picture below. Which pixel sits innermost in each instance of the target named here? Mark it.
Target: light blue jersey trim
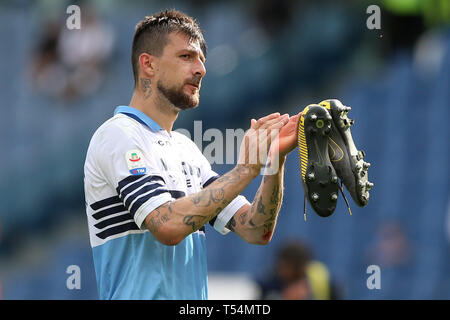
(138, 267)
(149, 122)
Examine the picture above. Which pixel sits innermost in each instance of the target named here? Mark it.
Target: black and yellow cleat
(320, 182)
(347, 160)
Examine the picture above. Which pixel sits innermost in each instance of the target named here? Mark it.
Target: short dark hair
(151, 34)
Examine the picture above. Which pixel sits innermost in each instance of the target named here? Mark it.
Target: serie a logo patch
(135, 162)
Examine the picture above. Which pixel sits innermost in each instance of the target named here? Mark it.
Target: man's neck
(157, 108)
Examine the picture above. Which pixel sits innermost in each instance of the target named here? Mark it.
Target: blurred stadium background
(57, 86)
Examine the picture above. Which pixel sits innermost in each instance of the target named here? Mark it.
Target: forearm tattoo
(214, 197)
(268, 209)
(159, 217)
(231, 225)
(262, 215)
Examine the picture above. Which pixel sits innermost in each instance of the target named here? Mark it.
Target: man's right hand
(257, 140)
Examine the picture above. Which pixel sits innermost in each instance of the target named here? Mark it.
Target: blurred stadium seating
(401, 114)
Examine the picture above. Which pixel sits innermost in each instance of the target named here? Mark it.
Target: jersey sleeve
(220, 221)
(130, 169)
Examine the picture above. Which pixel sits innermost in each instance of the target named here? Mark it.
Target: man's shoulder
(115, 132)
(119, 123)
(116, 128)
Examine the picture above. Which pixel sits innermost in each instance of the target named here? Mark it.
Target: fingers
(267, 128)
(261, 135)
(282, 120)
(270, 125)
(295, 118)
(272, 122)
(292, 124)
(274, 117)
(274, 129)
(269, 117)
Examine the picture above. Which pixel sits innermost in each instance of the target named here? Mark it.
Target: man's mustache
(194, 81)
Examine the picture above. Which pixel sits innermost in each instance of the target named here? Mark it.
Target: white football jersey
(132, 167)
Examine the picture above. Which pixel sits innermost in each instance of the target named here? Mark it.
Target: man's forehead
(181, 41)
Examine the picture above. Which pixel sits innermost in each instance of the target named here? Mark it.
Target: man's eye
(184, 56)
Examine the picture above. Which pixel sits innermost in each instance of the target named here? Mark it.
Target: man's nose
(200, 69)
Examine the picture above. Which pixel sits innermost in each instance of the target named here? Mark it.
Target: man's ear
(147, 64)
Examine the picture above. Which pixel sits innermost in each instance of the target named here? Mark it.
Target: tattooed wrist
(231, 225)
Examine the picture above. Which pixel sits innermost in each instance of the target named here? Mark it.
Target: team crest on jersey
(135, 162)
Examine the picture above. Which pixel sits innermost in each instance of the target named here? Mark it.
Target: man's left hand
(286, 140)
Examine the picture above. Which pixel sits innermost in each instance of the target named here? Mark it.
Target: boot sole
(346, 158)
(319, 178)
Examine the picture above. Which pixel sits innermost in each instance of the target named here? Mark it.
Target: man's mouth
(195, 85)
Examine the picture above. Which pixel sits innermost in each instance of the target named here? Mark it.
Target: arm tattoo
(215, 196)
(268, 229)
(260, 206)
(243, 217)
(146, 88)
(188, 220)
(207, 203)
(157, 219)
(196, 222)
(273, 214)
(275, 198)
(265, 207)
(231, 224)
(242, 220)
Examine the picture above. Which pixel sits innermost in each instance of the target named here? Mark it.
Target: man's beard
(178, 97)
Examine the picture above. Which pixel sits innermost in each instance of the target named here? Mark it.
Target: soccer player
(150, 191)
